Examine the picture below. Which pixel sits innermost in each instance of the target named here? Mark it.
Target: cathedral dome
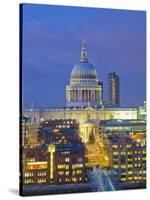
(83, 70)
(84, 89)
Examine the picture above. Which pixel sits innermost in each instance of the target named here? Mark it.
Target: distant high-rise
(113, 89)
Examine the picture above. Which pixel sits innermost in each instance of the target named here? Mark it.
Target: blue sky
(52, 35)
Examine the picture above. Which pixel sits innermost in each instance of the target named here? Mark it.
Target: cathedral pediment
(89, 108)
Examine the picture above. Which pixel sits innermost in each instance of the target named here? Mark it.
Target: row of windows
(28, 181)
(30, 159)
(63, 166)
(117, 146)
(128, 152)
(42, 180)
(134, 172)
(74, 172)
(127, 166)
(74, 166)
(133, 178)
(62, 126)
(28, 174)
(67, 159)
(130, 159)
(73, 179)
(41, 173)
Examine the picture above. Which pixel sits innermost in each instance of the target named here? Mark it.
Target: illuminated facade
(81, 114)
(131, 128)
(84, 88)
(54, 164)
(25, 128)
(58, 131)
(127, 149)
(129, 159)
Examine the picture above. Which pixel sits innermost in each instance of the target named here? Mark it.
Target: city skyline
(117, 44)
(86, 68)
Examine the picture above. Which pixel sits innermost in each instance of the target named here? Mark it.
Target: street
(100, 180)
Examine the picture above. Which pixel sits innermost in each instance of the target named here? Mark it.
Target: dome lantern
(83, 56)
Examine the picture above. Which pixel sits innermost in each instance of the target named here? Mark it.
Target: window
(41, 173)
(123, 179)
(123, 153)
(63, 166)
(28, 181)
(67, 159)
(130, 178)
(41, 180)
(130, 153)
(114, 146)
(115, 153)
(74, 179)
(60, 172)
(74, 166)
(128, 145)
(78, 171)
(123, 166)
(28, 174)
(116, 166)
(67, 179)
(130, 165)
(67, 173)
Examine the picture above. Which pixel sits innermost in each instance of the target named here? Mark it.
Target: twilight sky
(52, 35)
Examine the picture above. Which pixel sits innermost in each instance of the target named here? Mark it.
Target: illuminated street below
(100, 180)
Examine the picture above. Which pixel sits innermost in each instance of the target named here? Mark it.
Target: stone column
(70, 95)
(76, 95)
(89, 95)
(73, 95)
(79, 95)
(84, 95)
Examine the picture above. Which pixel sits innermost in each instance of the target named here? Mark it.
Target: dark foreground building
(54, 164)
(113, 89)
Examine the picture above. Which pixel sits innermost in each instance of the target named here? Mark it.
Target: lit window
(78, 171)
(60, 172)
(114, 146)
(130, 165)
(115, 166)
(130, 153)
(74, 179)
(74, 166)
(130, 178)
(123, 179)
(123, 166)
(63, 166)
(67, 173)
(115, 153)
(67, 159)
(123, 153)
(59, 180)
